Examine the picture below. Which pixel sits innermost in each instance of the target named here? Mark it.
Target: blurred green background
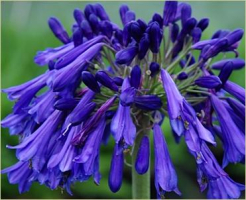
(25, 31)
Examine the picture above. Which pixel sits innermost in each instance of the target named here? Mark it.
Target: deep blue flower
(116, 169)
(104, 79)
(122, 125)
(233, 138)
(125, 56)
(165, 176)
(90, 81)
(235, 90)
(143, 156)
(135, 77)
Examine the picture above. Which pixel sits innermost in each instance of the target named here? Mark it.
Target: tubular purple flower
(169, 12)
(218, 180)
(233, 138)
(135, 79)
(174, 98)
(208, 81)
(90, 124)
(122, 125)
(125, 56)
(103, 78)
(67, 74)
(76, 52)
(155, 36)
(200, 45)
(78, 16)
(81, 116)
(90, 81)
(143, 46)
(58, 30)
(90, 151)
(196, 35)
(174, 32)
(29, 147)
(148, 102)
(238, 63)
(203, 24)
(186, 13)
(116, 169)
(238, 107)
(165, 176)
(20, 174)
(44, 57)
(81, 106)
(42, 107)
(142, 160)
(235, 90)
(17, 92)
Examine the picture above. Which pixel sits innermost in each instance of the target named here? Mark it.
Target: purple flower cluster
(63, 116)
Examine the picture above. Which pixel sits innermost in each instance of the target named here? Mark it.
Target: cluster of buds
(104, 80)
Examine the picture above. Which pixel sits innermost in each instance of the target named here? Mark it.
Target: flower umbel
(157, 70)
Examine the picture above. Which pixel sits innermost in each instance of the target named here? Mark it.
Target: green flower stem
(140, 183)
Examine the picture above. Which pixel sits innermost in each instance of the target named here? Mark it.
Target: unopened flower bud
(185, 13)
(103, 78)
(196, 35)
(174, 32)
(135, 77)
(154, 37)
(77, 37)
(143, 46)
(90, 81)
(203, 24)
(208, 81)
(107, 28)
(238, 63)
(78, 16)
(154, 68)
(169, 12)
(58, 30)
(125, 56)
(100, 12)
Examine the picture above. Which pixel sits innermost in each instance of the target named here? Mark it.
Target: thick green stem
(140, 183)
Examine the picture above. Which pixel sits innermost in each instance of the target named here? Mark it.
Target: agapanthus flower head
(105, 80)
